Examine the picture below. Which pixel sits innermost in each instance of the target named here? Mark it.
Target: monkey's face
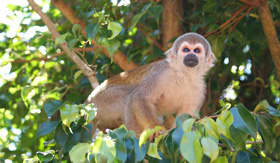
(191, 53)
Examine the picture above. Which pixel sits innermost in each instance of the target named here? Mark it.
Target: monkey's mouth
(190, 60)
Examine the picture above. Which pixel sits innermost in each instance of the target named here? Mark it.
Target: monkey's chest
(176, 99)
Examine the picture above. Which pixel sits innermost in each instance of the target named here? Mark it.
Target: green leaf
(188, 124)
(243, 120)
(76, 29)
(210, 127)
(245, 156)
(119, 135)
(77, 74)
(91, 30)
(264, 105)
(90, 111)
(116, 28)
(51, 106)
(121, 151)
(26, 94)
(190, 147)
(221, 159)
(47, 127)
(45, 156)
(69, 113)
(78, 152)
(146, 134)
(274, 112)
(218, 44)
(112, 46)
(104, 148)
(265, 126)
(210, 148)
(181, 118)
(60, 136)
(153, 151)
(239, 138)
(153, 148)
(224, 121)
(140, 152)
(137, 17)
(61, 39)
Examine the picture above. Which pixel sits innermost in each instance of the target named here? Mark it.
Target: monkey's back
(109, 96)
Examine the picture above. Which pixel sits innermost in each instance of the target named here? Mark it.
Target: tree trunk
(172, 17)
(270, 33)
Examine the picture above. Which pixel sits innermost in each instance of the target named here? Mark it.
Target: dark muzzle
(190, 60)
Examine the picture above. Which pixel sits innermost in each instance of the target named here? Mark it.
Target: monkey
(150, 95)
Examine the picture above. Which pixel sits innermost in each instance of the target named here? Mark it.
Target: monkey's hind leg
(140, 115)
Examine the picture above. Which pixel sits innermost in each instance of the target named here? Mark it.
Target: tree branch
(119, 58)
(73, 56)
(172, 15)
(270, 33)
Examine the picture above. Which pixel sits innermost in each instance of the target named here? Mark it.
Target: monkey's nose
(190, 60)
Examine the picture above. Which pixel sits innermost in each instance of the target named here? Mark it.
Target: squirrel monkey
(144, 97)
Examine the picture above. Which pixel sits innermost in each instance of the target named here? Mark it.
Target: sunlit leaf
(78, 152)
(221, 159)
(104, 148)
(146, 134)
(188, 124)
(153, 148)
(210, 147)
(69, 113)
(210, 127)
(224, 121)
(190, 147)
(116, 28)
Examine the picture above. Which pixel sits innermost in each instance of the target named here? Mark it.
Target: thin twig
(50, 57)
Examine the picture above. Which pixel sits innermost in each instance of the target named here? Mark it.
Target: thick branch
(270, 33)
(172, 15)
(119, 58)
(73, 56)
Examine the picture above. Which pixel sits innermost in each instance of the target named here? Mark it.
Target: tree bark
(270, 33)
(87, 71)
(118, 57)
(172, 16)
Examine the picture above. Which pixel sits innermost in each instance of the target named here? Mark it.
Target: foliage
(42, 116)
(234, 135)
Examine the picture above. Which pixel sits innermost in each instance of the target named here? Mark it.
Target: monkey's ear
(167, 52)
(170, 54)
(211, 58)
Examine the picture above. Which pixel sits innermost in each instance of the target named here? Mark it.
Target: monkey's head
(191, 51)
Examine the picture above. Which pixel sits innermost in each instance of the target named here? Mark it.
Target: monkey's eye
(186, 50)
(196, 50)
